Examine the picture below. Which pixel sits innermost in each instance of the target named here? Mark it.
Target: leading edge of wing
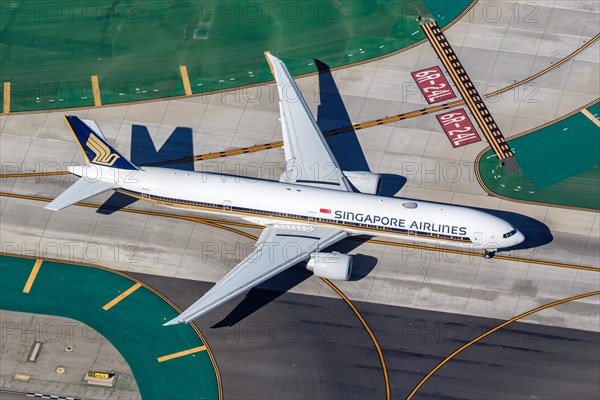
(267, 260)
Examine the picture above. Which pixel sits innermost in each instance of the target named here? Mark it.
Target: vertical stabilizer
(94, 146)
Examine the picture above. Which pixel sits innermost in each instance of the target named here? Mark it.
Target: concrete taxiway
(392, 283)
(414, 155)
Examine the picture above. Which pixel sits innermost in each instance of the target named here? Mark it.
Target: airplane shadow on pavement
(177, 146)
(271, 289)
(332, 114)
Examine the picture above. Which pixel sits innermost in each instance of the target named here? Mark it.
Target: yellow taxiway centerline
(591, 117)
(220, 224)
(181, 354)
(473, 254)
(369, 331)
(542, 72)
(120, 297)
(502, 325)
(32, 275)
(33, 174)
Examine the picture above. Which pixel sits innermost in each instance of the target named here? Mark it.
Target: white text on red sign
(433, 85)
(458, 127)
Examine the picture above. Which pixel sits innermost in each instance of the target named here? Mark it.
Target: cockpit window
(509, 234)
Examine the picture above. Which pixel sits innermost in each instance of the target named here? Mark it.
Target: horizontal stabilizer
(79, 191)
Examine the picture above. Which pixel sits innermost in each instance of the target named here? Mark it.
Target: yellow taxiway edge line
(181, 354)
(369, 331)
(502, 325)
(120, 297)
(32, 275)
(186, 80)
(591, 117)
(6, 101)
(96, 91)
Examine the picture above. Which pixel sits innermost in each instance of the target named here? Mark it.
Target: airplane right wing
(309, 159)
(278, 248)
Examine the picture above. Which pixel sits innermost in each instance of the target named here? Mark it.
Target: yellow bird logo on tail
(102, 153)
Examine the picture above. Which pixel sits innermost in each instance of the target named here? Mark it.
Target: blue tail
(94, 145)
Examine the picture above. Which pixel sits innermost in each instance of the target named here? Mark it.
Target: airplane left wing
(278, 248)
(309, 159)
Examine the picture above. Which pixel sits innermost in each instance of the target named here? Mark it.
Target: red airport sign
(433, 85)
(458, 127)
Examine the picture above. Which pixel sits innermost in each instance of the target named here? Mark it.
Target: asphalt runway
(274, 345)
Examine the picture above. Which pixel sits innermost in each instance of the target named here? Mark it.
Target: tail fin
(94, 145)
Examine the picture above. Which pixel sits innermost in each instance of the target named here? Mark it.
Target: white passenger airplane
(314, 205)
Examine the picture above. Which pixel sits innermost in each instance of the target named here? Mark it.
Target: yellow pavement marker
(6, 101)
(181, 353)
(32, 275)
(96, 91)
(120, 297)
(186, 80)
(591, 117)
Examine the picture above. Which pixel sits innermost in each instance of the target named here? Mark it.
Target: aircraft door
(477, 238)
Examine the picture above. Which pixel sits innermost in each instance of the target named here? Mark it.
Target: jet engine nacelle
(364, 181)
(336, 266)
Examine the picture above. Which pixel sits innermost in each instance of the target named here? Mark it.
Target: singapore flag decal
(325, 211)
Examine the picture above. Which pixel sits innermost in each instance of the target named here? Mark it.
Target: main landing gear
(489, 254)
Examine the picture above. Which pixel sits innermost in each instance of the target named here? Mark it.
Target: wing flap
(278, 248)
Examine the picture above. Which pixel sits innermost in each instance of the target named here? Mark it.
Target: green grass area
(133, 326)
(560, 164)
(49, 50)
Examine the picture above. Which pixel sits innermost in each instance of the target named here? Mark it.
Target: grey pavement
(90, 351)
(274, 345)
(495, 51)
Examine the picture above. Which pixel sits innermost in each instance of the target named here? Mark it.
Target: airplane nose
(518, 238)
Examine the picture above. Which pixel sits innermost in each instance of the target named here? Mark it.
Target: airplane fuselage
(264, 202)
